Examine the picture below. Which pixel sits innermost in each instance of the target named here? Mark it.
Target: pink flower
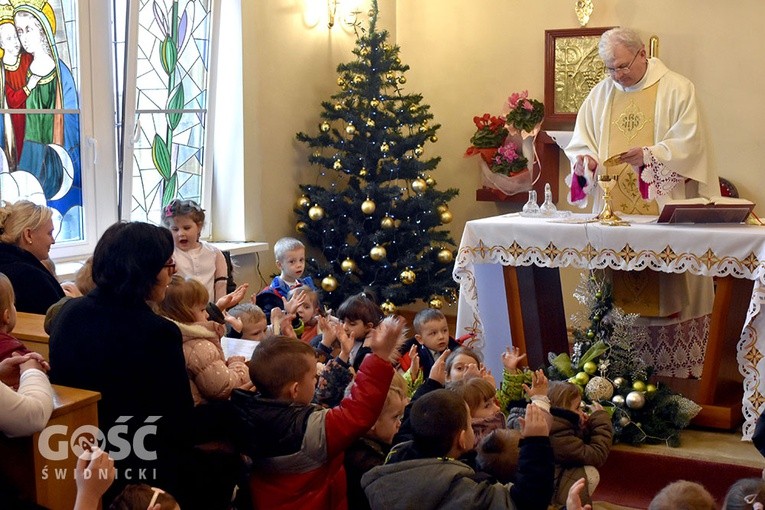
(508, 152)
(512, 101)
(527, 105)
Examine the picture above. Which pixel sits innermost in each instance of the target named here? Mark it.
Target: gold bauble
(374, 103)
(350, 129)
(407, 277)
(419, 185)
(301, 226)
(424, 122)
(329, 283)
(341, 81)
(324, 127)
(402, 79)
(442, 208)
(422, 129)
(445, 256)
(430, 181)
(338, 107)
(418, 151)
(446, 217)
(364, 51)
(363, 172)
(436, 303)
(348, 265)
(368, 206)
(337, 165)
(390, 76)
(388, 307)
(386, 47)
(358, 79)
(316, 213)
(397, 60)
(316, 154)
(434, 138)
(303, 202)
(387, 222)
(370, 123)
(413, 108)
(377, 253)
(385, 147)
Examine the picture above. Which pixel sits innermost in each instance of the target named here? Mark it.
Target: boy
(424, 474)
(431, 338)
(253, 322)
(290, 259)
(297, 448)
(308, 312)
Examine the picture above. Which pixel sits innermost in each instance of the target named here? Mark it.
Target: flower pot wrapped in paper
(507, 171)
(489, 136)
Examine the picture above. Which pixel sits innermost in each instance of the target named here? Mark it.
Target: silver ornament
(599, 388)
(624, 421)
(635, 400)
(618, 400)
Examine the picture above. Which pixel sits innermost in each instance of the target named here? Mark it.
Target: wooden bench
(29, 329)
(50, 483)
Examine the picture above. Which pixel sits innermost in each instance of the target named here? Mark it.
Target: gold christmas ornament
(387, 222)
(422, 129)
(368, 206)
(358, 79)
(316, 213)
(337, 165)
(324, 127)
(329, 283)
(388, 307)
(370, 123)
(436, 303)
(303, 202)
(364, 51)
(424, 122)
(384, 147)
(418, 151)
(348, 265)
(419, 185)
(445, 256)
(434, 138)
(402, 80)
(350, 129)
(377, 253)
(390, 76)
(374, 103)
(446, 217)
(407, 277)
(341, 81)
(397, 60)
(316, 154)
(413, 108)
(442, 208)
(430, 181)
(363, 172)
(301, 226)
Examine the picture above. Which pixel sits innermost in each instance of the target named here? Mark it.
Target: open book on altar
(706, 210)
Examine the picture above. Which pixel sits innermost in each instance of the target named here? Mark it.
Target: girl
(195, 258)
(360, 315)
(212, 377)
(308, 312)
(481, 397)
(464, 363)
(580, 442)
(746, 494)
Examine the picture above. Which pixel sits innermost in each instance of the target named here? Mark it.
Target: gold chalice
(607, 216)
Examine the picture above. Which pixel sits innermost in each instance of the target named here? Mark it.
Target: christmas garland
(606, 365)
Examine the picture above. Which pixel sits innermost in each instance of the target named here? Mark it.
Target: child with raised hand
(195, 258)
(511, 393)
(253, 322)
(308, 311)
(212, 376)
(425, 473)
(360, 315)
(296, 447)
(431, 338)
(581, 442)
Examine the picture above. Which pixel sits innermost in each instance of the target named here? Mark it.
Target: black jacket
(35, 288)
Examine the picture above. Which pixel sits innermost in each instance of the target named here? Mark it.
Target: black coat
(35, 288)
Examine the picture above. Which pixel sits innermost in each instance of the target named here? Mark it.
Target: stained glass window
(40, 112)
(170, 106)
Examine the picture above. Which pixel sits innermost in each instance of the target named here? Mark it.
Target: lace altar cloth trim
(677, 350)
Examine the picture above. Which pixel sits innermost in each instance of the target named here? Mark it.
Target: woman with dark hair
(26, 235)
(111, 341)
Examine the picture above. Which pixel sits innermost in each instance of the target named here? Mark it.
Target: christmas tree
(374, 216)
(606, 365)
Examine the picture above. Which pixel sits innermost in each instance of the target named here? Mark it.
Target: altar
(507, 267)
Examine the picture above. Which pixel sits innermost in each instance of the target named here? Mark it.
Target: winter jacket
(282, 288)
(444, 484)
(9, 345)
(298, 450)
(35, 287)
(364, 454)
(211, 377)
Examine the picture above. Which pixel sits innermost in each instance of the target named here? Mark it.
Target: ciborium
(607, 215)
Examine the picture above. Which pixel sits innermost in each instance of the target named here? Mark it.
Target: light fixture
(331, 11)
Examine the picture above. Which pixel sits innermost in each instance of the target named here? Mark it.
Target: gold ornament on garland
(348, 265)
(374, 103)
(370, 123)
(418, 151)
(388, 307)
(407, 277)
(324, 127)
(387, 222)
(445, 256)
(358, 79)
(368, 206)
(436, 303)
(337, 165)
(402, 80)
(316, 212)
(377, 253)
(338, 107)
(303, 202)
(350, 129)
(329, 283)
(446, 216)
(430, 181)
(413, 108)
(384, 147)
(390, 76)
(422, 129)
(434, 138)
(301, 226)
(419, 185)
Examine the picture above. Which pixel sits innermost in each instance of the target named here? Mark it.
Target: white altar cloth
(708, 250)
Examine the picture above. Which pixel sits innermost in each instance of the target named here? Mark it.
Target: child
(481, 398)
(423, 473)
(371, 449)
(139, 496)
(360, 315)
(683, 494)
(290, 259)
(297, 448)
(746, 494)
(253, 321)
(195, 258)
(212, 376)
(431, 336)
(308, 312)
(497, 454)
(8, 343)
(580, 442)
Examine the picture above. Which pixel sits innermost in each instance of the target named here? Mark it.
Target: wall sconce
(331, 11)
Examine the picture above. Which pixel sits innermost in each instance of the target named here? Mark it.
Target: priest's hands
(582, 162)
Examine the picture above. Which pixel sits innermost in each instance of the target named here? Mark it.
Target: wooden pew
(29, 329)
(50, 483)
